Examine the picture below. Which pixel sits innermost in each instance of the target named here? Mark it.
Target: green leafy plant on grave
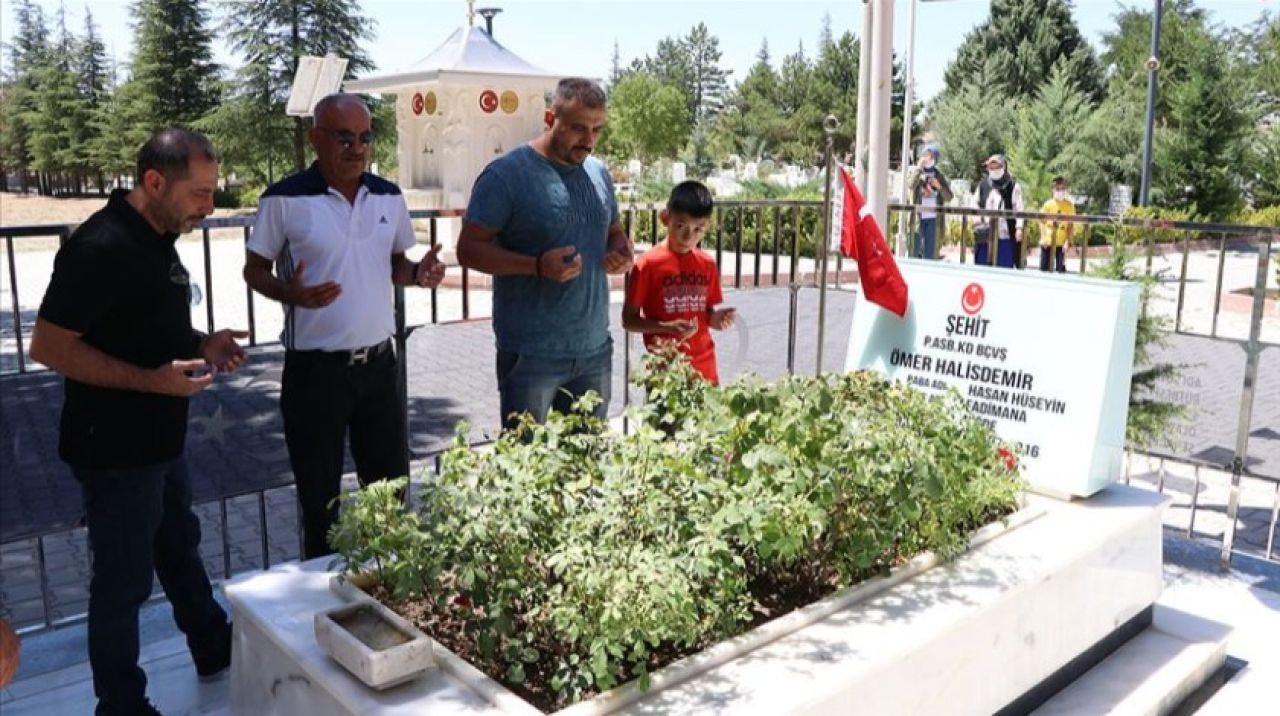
(1150, 419)
(570, 558)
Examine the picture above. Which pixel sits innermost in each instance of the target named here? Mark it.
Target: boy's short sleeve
(714, 296)
(84, 286)
(490, 204)
(637, 287)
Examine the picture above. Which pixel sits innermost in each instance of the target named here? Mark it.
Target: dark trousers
(1006, 253)
(1059, 259)
(140, 521)
(322, 396)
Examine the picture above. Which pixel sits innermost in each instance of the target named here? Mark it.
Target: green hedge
(571, 558)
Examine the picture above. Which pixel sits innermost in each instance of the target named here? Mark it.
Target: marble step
(1152, 673)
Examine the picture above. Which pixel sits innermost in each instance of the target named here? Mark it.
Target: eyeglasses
(347, 138)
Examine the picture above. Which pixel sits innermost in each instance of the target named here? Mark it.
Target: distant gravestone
(751, 170)
(677, 172)
(634, 167)
(1121, 199)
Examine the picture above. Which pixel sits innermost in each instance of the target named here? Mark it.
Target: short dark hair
(169, 152)
(1059, 180)
(691, 198)
(587, 91)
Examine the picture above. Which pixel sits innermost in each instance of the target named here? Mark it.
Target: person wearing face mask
(1055, 236)
(998, 191)
(929, 189)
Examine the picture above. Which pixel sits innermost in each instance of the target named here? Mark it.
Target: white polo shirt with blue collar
(301, 219)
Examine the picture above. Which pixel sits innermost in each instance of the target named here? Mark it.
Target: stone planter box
(1002, 627)
(380, 647)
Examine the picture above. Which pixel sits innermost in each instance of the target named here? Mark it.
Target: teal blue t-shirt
(537, 205)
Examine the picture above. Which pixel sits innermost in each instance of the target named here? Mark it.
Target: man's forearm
(83, 363)
(488, 257)
(264, 282)
(404, 271)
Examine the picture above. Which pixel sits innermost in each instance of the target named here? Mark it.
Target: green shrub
(571, 558)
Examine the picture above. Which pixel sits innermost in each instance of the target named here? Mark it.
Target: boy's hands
(681, 329)
(721, 318)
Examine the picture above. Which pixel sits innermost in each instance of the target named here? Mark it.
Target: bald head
(332, 105)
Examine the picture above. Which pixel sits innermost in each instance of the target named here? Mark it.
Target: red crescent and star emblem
(419, 103)
(972, 299)
(489, 101)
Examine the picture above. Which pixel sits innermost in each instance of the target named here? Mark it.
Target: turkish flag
(862, 241)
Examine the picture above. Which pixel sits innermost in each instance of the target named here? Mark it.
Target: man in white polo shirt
(338, 236)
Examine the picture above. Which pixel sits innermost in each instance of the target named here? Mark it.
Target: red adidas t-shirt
(667, 286)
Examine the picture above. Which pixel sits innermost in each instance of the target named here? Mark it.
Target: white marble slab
(968, 637)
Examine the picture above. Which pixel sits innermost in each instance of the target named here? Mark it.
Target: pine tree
(28, 55)
(1019, 45)
(755, 124)
(173, 62)
(272, 35)
(1047, 126)
(93, 74)
(796, 102)
(708, 81)
(971, 124)
(615, 67)
(58, 112)
(835, 85)
(1202, 149)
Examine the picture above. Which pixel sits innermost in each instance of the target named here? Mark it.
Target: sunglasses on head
(348, 138)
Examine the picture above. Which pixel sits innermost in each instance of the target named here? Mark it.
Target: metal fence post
(1253, 351)
(822, 244)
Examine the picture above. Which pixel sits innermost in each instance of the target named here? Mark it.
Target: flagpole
(829, 125)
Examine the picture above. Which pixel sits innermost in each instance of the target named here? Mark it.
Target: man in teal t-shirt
(543, 221)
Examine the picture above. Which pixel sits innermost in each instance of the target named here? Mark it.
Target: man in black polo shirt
(116, 323)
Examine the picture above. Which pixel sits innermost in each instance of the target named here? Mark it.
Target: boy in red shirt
(675, 287)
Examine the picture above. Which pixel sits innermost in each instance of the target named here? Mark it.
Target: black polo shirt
(122, 286)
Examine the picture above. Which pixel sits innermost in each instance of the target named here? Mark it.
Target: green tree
(271, 36)
(1202, 149)
(835, 85)
(1108, 148)
(708, 82)
(28, 55)
(971, 124)
(1018, 46)
(1047, 126)
(647, 119)
(753, 122)
(121, 126)
(1127, 47)
(803, 144)
(173, 62)
(58, 112)
(92, 70)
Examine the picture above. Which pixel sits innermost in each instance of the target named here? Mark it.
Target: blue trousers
(536, 385)
(927, 239)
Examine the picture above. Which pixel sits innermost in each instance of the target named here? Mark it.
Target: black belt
(353, 356)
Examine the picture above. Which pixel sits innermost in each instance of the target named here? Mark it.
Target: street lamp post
(1153, 66)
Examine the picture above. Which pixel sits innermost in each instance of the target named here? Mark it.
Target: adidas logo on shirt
(383, 220)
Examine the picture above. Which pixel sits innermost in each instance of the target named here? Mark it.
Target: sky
(578, 37)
